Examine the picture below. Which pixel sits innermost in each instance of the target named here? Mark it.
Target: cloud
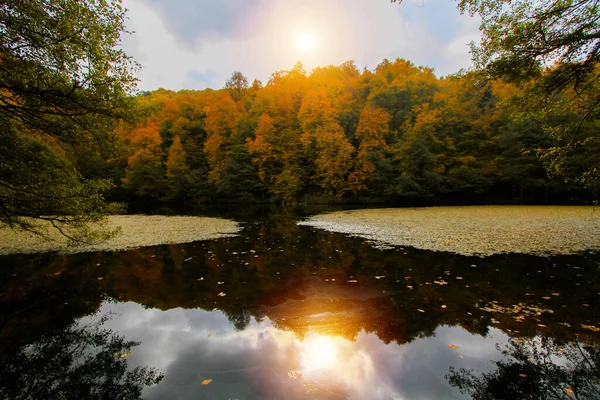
(202, 80)
(194, 21)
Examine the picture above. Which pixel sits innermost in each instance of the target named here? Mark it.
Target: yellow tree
(373, 127)
(221, 129)
(325, 144)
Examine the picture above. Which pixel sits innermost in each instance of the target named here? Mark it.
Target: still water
(289, 312)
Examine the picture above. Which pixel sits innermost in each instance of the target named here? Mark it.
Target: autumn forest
(398, 135)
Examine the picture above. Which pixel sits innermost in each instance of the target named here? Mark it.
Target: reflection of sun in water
(305, 41)
(319, 353)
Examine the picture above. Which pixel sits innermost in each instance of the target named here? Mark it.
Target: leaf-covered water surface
(473, 230)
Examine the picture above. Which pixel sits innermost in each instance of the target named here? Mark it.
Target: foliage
(63, 83)
(396, 134)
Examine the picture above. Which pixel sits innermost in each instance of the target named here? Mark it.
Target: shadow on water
(279, 277)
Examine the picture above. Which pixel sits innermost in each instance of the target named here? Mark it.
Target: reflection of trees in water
(74, 363)
(538, 368)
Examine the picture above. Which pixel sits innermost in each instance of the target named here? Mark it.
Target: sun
(305, 41)
(319, 352)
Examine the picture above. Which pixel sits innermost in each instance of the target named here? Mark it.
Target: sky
(198, 44)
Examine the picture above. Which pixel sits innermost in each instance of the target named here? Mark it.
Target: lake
(289, 311)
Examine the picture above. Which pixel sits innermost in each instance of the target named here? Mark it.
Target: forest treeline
(398, 134)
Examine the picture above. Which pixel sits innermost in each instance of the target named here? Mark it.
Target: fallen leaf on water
(452, 346)
(546, 298)
(591, 328)
(444, 306)
(222, 294)
(295, 374)
(419, 310)
(206, 381)
(555, 294)
(569, 391)
(460, 356)
(523, 375)
(586, 305)
(542, 325)
(100, 278)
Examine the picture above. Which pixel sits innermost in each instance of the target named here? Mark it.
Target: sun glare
(305, 41)
(319, 353)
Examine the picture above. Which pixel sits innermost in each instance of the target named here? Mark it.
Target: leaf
(419, 310)
(452, 346)
(591, 328)
(461, 356)
(523, 375)
(444, 306)
(568, 390)
(206, 382)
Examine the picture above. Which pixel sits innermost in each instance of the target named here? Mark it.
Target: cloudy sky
(195, 44)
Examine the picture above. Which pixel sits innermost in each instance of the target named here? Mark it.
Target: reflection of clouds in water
(190, 346)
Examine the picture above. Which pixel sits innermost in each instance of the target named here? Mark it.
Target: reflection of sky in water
(190, 346)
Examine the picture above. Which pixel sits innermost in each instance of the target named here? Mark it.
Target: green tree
(63, 82)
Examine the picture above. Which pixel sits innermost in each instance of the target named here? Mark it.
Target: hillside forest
(398, 135)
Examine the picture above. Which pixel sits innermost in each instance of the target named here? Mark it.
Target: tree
(552, 49)
(63, 82)
(177, 172)
(237, 84)
(372, 129)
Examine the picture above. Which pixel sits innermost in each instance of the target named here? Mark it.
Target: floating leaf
(569, 390)
(523, 375)
(452, 346)
(222, 294)
(419, 310)
(206, 381)
(444, 306)
(591, 328)
(295, 375)
(460, 356)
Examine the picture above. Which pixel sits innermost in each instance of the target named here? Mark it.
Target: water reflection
(76, 362)
(284, 311)
(537, 368)
(262, 361)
